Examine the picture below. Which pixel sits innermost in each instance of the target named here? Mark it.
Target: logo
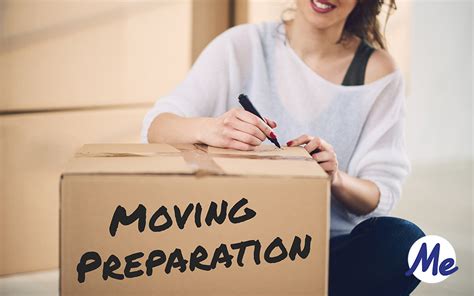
(431, 259)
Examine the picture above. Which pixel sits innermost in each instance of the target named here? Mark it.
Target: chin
(323, 14)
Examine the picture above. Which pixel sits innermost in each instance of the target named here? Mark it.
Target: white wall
(439, 123)
(440, 132)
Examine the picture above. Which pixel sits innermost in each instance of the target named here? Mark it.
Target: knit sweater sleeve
(203, 90)
(381, 154)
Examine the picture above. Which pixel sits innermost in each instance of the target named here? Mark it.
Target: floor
(43, 283)
(439, 199)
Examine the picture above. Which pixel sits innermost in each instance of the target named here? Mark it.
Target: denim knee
(401, 230)
(391, 230)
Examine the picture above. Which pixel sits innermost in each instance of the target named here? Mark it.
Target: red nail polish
(272, 135)
(289, 143)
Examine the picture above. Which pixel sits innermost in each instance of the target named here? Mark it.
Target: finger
(243, 137)
(254, 120)
(270, 122)
(247, 128)
(317, 145)
(325, 146)
(303, 139)
(314, 144)
(329, 166)
(323, 156)
(237, 145)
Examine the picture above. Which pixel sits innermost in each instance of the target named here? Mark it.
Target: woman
(319, 76)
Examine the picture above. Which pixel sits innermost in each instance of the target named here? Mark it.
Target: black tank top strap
(355, 75)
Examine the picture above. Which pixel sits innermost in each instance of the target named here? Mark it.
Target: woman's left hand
(326, 156)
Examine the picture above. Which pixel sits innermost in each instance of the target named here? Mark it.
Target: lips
(322, 6)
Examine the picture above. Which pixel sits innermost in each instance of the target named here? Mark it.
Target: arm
(359, 196)
(237, 129)
(187, 115)
(179, 116)
(171, 128)
(372, 184)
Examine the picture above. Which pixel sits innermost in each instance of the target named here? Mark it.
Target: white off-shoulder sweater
(365, 124)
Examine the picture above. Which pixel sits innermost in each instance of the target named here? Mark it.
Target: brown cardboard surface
(264, 150)
(34, 149)
(129, 165)
(210, 18)
(71, 54)
(99, 60)
(95, 150)
(267, 167)
(280, 205)
(286, 205)
(29, 16)
(166, 158)
(2, 194)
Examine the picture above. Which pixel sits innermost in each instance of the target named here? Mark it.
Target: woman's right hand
(236, 129)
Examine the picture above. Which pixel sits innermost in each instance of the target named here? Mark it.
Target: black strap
(356, 73)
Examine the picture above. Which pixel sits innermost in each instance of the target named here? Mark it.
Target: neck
(307, 40)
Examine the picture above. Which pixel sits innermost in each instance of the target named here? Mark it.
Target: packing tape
(201, 163)
(196, 156)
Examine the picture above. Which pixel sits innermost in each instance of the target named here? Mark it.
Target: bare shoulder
(380, 64)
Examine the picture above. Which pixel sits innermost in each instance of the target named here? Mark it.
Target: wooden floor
(437, 198)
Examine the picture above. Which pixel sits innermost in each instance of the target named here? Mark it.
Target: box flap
(103, 150)
(270, 167)
(129, 165)
(264, 151)
(266, 160)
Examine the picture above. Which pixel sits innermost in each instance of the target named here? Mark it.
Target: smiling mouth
(322, 6)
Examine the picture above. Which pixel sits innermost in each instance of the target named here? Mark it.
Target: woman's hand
(236, 129)
(359, 196)
(325, 156)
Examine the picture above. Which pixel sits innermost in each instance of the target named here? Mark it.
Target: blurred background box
(35, 147)
(65, 54)
(75, 72)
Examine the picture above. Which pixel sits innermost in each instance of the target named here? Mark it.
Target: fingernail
(272, 135)
(289, 143)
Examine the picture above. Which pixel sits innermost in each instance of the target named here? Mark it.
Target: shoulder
(380, 64)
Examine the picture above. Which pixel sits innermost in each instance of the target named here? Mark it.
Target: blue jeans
(372, 259)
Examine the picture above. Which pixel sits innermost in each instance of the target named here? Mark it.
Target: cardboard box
(123, 231)
(210, 18)
(255, 11)
(34, 149)
(70, 54)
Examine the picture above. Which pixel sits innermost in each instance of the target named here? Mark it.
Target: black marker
(248, 106)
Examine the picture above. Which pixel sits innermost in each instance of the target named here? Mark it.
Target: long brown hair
(363, 22)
